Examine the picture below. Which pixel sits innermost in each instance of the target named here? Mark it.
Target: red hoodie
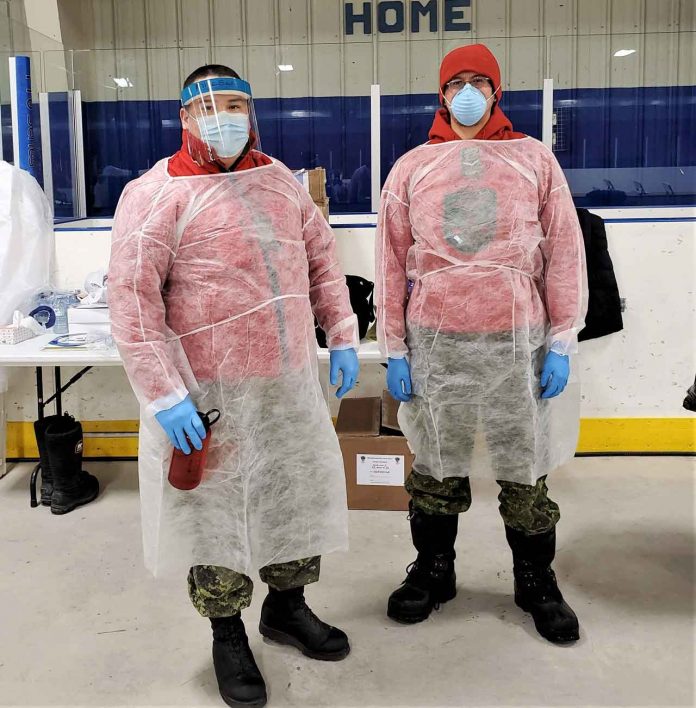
(480, 59)
(193, 158)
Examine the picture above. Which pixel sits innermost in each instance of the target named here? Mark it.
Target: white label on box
(382, 470)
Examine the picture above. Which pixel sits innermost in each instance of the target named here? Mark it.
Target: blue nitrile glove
(554, 375)
(399, 379)
(345, 361)
(182, 421)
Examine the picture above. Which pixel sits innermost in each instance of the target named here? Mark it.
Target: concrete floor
(82, 624)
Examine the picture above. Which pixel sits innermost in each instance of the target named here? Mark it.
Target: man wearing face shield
(219, 263)
(481, 291)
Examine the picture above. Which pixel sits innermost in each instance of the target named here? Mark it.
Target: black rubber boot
(536, 589)
(286, 618)
(430, 580)
(239, 679)
(690, 400)
(72, 487)
(40, 427)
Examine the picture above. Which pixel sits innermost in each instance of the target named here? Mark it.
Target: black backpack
(361, 292)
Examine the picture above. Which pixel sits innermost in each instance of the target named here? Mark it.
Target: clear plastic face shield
(220, 112)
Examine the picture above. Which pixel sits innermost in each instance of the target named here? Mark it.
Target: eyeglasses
(477, 82)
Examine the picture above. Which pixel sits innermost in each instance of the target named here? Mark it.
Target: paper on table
(380, 470)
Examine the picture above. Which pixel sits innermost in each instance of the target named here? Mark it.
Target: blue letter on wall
(382, 9)
(454, 15)
(418, 9)
(352, 19)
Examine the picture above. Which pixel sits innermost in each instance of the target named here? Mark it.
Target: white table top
(32, 353)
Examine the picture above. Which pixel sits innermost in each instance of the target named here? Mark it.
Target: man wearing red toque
(481, 291)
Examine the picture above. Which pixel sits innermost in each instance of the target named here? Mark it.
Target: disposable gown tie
(213, 286)
(486, 234)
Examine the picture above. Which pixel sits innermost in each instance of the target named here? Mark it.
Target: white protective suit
(480, 271)
(27, 243)
(213, 283)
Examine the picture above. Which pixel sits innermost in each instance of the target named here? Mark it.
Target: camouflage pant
(525, 508)
(221, 592)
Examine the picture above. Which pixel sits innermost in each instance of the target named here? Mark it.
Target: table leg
(40, 414)
(3, 434)
(39, 393)
(59, 392)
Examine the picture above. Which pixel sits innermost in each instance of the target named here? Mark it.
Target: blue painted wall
(601, 128)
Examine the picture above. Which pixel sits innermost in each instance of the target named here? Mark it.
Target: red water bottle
(186, 471)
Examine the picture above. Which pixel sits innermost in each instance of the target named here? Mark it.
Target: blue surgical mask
(226, 133)
(469, 105)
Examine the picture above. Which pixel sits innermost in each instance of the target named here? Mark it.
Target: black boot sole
(403, 618)
(416, 617)
(275, 635)
(256, 702)
(554, 638)
(60, 509)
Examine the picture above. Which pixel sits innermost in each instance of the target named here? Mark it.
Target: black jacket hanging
(604, 307)
(360, 291)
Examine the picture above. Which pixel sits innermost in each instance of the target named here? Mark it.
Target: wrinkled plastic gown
(27, 244)
(485, 238)
(212, 287)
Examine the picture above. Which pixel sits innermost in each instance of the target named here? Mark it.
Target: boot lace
(302, 607)
(539, 583)
(236, 639)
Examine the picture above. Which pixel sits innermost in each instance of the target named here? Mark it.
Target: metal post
(547, 114)
(77, 154)
(375, 145)
(46, 157)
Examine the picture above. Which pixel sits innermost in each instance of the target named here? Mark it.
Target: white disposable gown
(213, 286)
(480, 271)
(27, 244)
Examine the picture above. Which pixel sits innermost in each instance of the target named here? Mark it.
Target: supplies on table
(89, 319)
(21, 329)
(95, 289)
(50, 309)
(10, 334)
(91, 315)
(93, 342)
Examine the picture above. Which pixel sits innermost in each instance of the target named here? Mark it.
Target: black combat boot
(285, 618)
(72, 487)
(430, 579)
(239, 679)
(536, 590)
(40, 427)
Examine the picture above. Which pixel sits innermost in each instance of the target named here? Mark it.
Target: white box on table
(92, 319)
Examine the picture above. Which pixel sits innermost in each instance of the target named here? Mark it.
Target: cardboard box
(317, 184)
(376, 460)
(324, 207)
(314, 181)
(390, 410)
